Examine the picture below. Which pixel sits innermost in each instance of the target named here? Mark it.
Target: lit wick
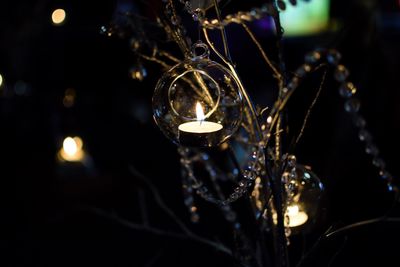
(200, 113)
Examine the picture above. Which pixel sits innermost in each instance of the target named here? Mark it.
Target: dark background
(46, 214)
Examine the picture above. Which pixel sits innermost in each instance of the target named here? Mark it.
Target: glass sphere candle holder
(306, 195)
(198, 102)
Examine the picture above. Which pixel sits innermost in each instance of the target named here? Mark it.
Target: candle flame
(293, 210)
(72, 149)
(199, 112)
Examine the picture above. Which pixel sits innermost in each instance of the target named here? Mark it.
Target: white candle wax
(298, 219)
(294, 218)
(200, 127)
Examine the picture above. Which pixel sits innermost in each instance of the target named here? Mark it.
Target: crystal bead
(385, 175)
(230, 216)
(288, 231)
(175, 20)
(293, 174)
(209, 198)
(312, 57)
(202, 190)
(134, 44)
(249, 175)
(378, 162)
(243, 183)
(226, 208)
(292, 85)
(393, 188)
(341, 73)
(390, 187)
(138, 72)
(291, 161)
(197, 185)
(333, 57)
(194, 218)
(188, 200)
(371, 149)
(293, 187)
(234, 196)
(303, 70)
(254, 155)
(347, 90)
(365, 135)
(265, 9)
(285, 177)
(237, 226)
(188, 6)
(360, 122)
(352, 105)
(103, 30)
(205, 157)
(256, 13)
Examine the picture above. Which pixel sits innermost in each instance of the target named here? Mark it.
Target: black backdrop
(46, 217)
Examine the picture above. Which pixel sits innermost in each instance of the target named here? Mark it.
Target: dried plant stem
(277, 75)
(310, 109)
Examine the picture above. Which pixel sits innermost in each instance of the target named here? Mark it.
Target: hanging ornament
(303, 197)
(304, 192)
(198, 102)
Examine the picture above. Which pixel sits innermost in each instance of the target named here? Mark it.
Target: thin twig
(163, 206)
(250, 105)
(277, 75)
(159, 200)
(143, 208)
(169, 56)
(313, 248)
(156, 60)
(338, 252)
(223, 32)
(280, 105)
(156, 257)
(310, 109)
(345, 229)
(362, 223)
(160, 232)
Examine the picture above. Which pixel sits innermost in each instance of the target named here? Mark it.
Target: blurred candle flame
(199, 112)
(72, 149)
(58, 16)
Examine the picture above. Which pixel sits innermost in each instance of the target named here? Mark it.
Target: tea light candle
(296, 217)
(199, 132)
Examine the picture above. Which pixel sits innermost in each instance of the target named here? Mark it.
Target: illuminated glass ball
(198, 103)
(307, 197)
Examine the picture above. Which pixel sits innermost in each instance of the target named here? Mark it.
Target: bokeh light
(306, 18)
(58, 16)
(72, 149)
